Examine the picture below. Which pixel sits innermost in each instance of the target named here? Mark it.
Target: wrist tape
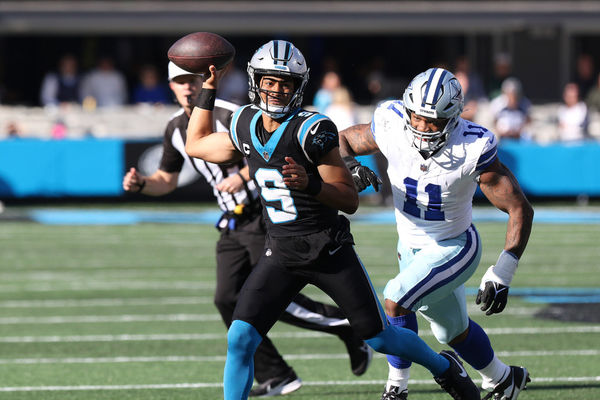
(505, 267)
(206, 99)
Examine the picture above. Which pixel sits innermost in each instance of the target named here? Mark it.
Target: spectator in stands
(585, 74)
(381, 86)
(150, 89)
(502, 71)
(511, 111)
(471, 103)
(342, 110)
(593, 97)
(105, 85)
(324, 96)
(61, 86)
(476, 90)
(235, 87)
(13, 130)
(572, 115)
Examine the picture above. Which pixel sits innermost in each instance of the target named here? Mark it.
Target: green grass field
(125, 312)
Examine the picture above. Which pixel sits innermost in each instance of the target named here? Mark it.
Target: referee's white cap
(175, 71)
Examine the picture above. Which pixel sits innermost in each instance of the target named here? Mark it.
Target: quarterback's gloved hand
(493, 290)
(361, 175)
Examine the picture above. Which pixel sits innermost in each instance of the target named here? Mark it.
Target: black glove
(362, 176)
(494, 296)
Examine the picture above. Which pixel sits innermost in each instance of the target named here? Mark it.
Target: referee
(242, 238)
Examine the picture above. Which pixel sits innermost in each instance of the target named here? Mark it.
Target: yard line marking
(320, 356)
(86, 285)
(293, 335)
(219, 384)
(92, 319)
(113, 302)
(118, 302)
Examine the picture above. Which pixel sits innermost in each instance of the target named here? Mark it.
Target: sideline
(129, 217)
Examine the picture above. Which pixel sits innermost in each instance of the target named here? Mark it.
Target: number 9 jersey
(306, 137)
(432, 197)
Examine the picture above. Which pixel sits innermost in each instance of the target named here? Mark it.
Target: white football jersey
(432, 198)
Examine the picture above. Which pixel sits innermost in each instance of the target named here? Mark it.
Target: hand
(133, 181)
(209, 82)
(361, 175)
(231, 184)
(294, 175)
(493, 294)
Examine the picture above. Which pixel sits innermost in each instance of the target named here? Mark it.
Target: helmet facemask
(433, 94)
(280, 59)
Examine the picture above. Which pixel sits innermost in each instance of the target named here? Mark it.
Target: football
(197, 51)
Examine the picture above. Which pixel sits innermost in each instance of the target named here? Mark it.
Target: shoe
(511, 386)
(394, 394)
(455, 381)
(360, 354)
(277, 386)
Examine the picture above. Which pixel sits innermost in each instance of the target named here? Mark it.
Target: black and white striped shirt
(174, 156)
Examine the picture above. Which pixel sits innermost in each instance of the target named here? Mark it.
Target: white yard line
(119, 302)
(86, 285)
(217, 385)
(113, 302)
(340, 356)
(221, 336)
(93, 319)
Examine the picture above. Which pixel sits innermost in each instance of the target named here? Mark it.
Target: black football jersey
(174, 156)
(306, 137)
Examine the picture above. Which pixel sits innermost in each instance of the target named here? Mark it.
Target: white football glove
(493, 289)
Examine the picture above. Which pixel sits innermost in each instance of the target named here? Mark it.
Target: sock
(408, 321)
(408, 345)
(398, 377)
(242, 341)
(476, 349)
(494, 372)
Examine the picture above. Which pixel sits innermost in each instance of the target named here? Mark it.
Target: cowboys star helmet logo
(455, 90)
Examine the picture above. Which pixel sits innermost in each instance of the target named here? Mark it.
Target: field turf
(125, 312)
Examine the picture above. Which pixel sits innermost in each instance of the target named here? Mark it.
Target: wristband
(505, 267)
(350, 162)
(314, 185)
(141, 186)
(206, 99)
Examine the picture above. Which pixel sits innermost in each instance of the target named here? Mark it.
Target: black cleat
(277, 386)
(511, 386)
(455, 381)
(394, 394)
(360, 354)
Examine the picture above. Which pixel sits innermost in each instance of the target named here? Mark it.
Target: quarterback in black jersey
(294, 159)
(242, 238)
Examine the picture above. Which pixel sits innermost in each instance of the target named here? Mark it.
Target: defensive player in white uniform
(436, 160)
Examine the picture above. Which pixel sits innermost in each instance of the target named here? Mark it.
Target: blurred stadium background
(362, 40)
(108, 291)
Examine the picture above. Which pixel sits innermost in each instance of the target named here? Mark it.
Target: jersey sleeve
(317, 136)
(171, 160)
(233, 127)
(386, 117)
(489, 153)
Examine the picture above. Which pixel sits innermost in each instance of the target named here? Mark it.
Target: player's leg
(302, 312)
(237, 252)
(307, 313)
(348, 284)
(426, 275)
(266, 293)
